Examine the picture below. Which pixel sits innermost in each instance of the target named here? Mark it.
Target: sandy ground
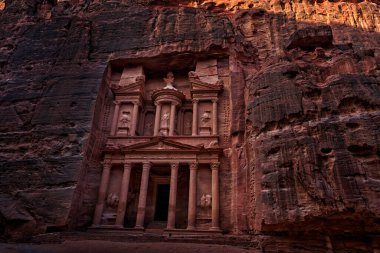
(92, 246)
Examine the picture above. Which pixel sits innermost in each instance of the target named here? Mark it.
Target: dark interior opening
(162, 202)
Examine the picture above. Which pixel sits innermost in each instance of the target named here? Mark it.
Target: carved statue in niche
(205, 127)
(169, 80)
(165, 124)
(187, 126)
(205, 207)
(187, 123)
(206, 200)
(165, 119)
(148, 128)
(205, 118)
(112, 200)
(125, 121)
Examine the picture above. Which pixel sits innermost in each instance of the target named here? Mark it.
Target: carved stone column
(115, 117)
(214, 116)
(142, 196)
(172, 119)
(102, 191)
(215, 196)
(134, 118)
(192, 210)
(157, 119)
(172, 195)
(195, 117)
(123, 194)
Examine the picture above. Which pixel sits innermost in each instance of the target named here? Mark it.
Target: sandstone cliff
(304, 124)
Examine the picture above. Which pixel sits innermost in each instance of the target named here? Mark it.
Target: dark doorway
(162, 202)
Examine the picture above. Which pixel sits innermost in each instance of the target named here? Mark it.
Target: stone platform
(149, 235)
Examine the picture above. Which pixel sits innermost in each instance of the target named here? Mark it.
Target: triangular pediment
(161, 144)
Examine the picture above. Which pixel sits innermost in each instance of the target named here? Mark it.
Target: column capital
(127, 165)
(194, 166)
(116, 102)
(138, 103)
(107, 162)
(147, 165)
(215, 100)
(157, 103)
(176, 103)
(174, 165)
(215, 165)
(195, 100)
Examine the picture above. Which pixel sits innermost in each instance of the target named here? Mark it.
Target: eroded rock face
(304, 119)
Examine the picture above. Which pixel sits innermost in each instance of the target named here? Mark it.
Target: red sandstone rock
(301, 117)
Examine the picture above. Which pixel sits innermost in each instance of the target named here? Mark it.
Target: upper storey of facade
(181, 106)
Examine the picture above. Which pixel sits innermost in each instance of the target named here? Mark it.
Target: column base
(216, 229)
(106, 227)
(190, 228)
(138, 227)
(191, 233)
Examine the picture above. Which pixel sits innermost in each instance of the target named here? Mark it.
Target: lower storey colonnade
(143, 192)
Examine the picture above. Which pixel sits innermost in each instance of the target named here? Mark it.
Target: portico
(178, 158)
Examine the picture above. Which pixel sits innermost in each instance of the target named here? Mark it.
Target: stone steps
(150, 235)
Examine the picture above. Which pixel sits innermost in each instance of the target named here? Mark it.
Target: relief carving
(148, 128)
(187, 127)
(165, 124)
(165, 119)
(205, 127)
(213, 144)
(125, 122)
(205, 118)
(204, 211)
(206, 201)
(112, 200)
(169, 80)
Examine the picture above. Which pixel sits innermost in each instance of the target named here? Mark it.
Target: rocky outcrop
(304, 100)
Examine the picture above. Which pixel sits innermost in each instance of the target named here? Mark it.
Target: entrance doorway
(162, 202)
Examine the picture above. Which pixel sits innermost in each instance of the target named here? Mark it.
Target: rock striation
(304, 121)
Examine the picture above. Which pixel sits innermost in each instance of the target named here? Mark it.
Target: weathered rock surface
(305, 110)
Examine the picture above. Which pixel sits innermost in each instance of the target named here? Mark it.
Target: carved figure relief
(205, 118)
(164, 130)
(206, 201)
(165, 119)
(187, 122)
(169, 80)
(187, 127)
(213, 144)
(205, 126)
(125, 121)
(149, 124)
(112, 200)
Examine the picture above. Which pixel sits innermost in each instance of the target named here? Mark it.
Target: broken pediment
(199, 85)
(132, 81)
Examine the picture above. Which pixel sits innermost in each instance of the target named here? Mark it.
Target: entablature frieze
(157, 152)
(204, 96)
(162, 159)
